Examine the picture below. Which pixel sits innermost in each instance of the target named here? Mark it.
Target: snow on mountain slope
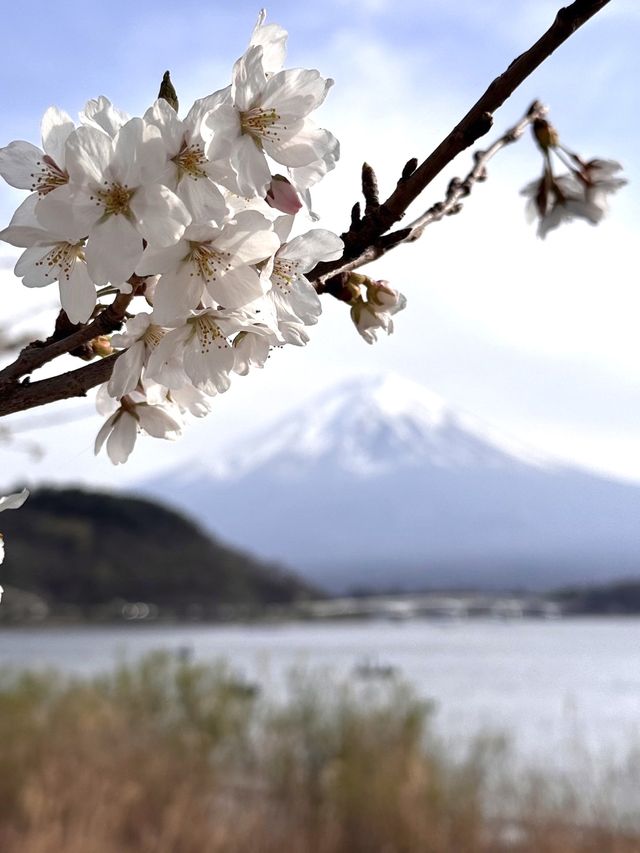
(378, 483)
(368, 425)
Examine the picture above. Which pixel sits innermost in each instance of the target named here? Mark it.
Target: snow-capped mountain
(379, 483)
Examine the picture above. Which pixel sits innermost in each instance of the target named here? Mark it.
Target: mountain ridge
(379, 483)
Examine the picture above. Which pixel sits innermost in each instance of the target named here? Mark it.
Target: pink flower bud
(282, 196)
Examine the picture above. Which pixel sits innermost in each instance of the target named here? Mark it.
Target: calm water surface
(559, 689)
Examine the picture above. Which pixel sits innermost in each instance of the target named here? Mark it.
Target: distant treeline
(617, 598)
(89, 555)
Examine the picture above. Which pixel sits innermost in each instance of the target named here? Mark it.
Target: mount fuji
(378, 484)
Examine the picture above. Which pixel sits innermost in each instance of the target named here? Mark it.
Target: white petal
(165, 118)
(56, 127)
(295, 91)
(113, 250)
(123, 438)
(104, 431)
(18, 164)
(127, 370)
(160, 260)
(273, 39)
(161, 216)
(89, 152)
(223, 125)
(25, 213)
(249, 79)
(14, 501)
(238, 287)
(102, 114)
(249, 240)
(250, 165)
(157, 422)
(202, 198)
(165, 365)
(24, 236)
(176, 294)
(314, 246)
(250, 351)
(68, 212)
(78, 293)
(139, 153)
(33, 269)
(304, 146)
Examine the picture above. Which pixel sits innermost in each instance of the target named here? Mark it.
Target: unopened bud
(281, 195)
(353, 286)
(102, 346)
(167, 92)
(545, 134)
(382, 294)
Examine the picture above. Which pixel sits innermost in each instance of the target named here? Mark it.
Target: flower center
(60, 260)
(209, 334)
(153, 335)
(49, 177)
(284, 274)
(208, 262)
(115, 198)
(190, 162)
(260, 124)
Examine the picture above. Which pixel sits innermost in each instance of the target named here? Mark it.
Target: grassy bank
(172, 757)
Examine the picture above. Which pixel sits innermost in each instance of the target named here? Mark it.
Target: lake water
(565, 691)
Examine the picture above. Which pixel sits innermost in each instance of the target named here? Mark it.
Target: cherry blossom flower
(139, 340)
(202, 345)
(28, 167)
(218, 260)
(250, 350)
(600, 179)
(581, 193)
(375, 313)
(121, 428)
(55, 255)
(294, 297)
(115, 188)
(268, 115)
(189, 173)
(191, 206)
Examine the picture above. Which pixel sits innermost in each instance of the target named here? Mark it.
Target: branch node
(409, 168)
(370, 189)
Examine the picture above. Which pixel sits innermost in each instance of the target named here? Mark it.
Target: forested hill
(91, 552)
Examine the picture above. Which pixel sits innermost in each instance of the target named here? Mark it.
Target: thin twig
(362, 238)
(458, 189)
(451, 204)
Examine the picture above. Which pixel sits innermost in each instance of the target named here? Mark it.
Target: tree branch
(39, 353)
(361, 241)
(451, 205)
(365, 241)
(76, 383)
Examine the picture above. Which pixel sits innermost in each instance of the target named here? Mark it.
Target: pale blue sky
(538, 338)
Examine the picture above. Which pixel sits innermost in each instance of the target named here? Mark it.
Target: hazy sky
(539, 338)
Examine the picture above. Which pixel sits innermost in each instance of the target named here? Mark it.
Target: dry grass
(169, 757)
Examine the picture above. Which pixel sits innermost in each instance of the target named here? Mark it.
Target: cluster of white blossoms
(579, 193)
(193, 216)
